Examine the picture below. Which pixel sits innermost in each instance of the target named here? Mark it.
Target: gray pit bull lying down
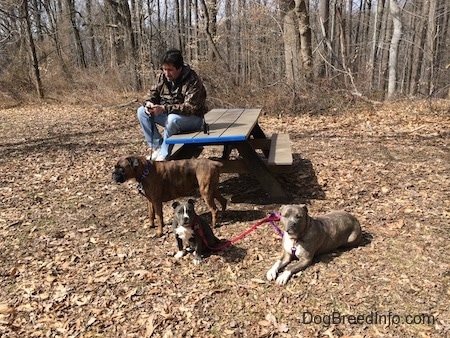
(304, 237)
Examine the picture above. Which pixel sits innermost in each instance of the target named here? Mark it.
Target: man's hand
(154, 109)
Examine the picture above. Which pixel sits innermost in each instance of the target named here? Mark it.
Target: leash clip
(140, 188)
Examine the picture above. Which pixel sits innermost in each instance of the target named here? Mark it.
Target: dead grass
(77, 262)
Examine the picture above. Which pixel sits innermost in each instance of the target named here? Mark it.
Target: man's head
(172, 64)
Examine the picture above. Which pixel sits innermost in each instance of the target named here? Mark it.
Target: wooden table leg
(268, 182)
(258, 133)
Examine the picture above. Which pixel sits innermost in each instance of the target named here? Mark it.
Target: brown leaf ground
(76, 260)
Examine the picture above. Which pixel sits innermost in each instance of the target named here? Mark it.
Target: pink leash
(271, 218)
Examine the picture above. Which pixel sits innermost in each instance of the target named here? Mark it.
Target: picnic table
(238, 128)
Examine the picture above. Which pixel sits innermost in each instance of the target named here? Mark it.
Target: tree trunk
(196, 33)
(127, 44)
(343, 43)
(430, 51)
(212, 28)
(376, 43)
(131, 44)
(417, 46)
(291, 49)
(178, 25)
(54, 24)
(189, 30)
(210, 31)
(324, 53)
(33, 55)
(228, 16)
(393, 48)
(79, 50)
(90, 24)
(304, 29)
(37, 14)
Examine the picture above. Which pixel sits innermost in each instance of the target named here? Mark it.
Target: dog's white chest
(291, 246)
(184, 233)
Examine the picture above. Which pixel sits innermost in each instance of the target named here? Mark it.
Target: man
(177, 102)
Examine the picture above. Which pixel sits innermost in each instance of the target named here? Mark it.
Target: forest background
(282, 55)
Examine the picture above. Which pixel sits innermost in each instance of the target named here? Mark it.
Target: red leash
(271, 218)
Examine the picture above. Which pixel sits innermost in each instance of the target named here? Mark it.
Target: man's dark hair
(173, 57)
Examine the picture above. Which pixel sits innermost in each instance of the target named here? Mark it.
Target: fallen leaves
(271, 320)
(77, 261)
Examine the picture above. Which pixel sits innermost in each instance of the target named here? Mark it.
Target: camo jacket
(186, 95)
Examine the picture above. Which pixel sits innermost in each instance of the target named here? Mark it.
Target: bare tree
(128, 47)
(81, 60)
(179, 23)
(297, 40)
(393, 49)
(416, 49)
(324, 28)
(33, 56)
(304, 28)
(228, 26)
(430, 50)
(377, 45)
(211, 29)
(91, 37)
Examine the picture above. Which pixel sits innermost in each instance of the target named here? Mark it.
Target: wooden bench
(277, 153)
(280, 153)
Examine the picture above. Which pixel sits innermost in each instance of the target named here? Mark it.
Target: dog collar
(145, 172)
(196, 224)
(143, 176)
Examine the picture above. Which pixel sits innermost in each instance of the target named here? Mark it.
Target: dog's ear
(283, 209)
(134, 161)
(175, 204)
(191, 201)
(304, 207)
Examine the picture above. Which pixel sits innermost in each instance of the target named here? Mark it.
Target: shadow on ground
(301, 185)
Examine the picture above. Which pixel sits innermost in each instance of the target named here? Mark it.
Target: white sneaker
(160, 157)
(155, 153)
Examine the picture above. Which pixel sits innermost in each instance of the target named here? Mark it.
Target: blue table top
(225, 125)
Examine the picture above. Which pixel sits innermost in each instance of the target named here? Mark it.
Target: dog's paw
(283, 277)
(180, 254)
(197, 258)
(271, 274)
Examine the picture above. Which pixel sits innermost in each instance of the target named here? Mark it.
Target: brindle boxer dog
(167, 180)
(304, 237)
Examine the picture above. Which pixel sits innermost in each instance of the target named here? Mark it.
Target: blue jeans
(172, 123)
